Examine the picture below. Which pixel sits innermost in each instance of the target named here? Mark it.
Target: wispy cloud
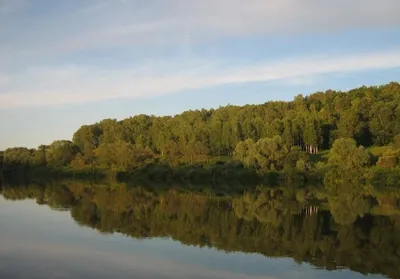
(111, 23)
(47, 86)
(37, 48)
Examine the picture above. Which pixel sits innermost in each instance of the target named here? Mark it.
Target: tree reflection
(328, 229)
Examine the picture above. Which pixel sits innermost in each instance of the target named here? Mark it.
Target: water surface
(38, 241)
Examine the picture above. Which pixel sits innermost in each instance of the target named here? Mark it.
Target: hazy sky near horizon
(68, 63)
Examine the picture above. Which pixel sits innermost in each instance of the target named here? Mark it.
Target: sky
(64, 64)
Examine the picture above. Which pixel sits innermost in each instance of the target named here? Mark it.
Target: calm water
(49, 241)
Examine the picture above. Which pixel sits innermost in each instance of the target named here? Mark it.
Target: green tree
(87, 138)
(172, 153)
(61, 153)
(18, 157)
(347, 125)
(195, 152)
(389, 159)
(39, 156)
(123, 156)
(270, 153)
(245, 152)
(382, 121)
(347, 155)
(266, 153)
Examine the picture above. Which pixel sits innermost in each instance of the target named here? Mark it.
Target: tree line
(275, 135)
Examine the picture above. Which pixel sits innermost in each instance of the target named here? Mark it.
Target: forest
(309, 137)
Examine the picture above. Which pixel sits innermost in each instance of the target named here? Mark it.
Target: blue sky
(68, 63)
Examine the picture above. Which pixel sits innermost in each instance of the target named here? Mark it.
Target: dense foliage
(273, 136)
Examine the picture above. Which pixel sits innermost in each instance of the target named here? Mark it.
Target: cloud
(235, 17)
(48, 86)
(38, 47)
(267, 16)
(108, 23)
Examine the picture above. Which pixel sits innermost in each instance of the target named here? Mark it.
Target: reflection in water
(329, 231)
